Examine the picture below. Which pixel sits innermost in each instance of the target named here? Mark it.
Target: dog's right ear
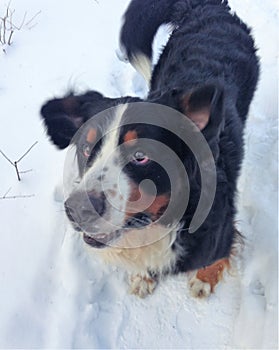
(204, 106)
(64, 116)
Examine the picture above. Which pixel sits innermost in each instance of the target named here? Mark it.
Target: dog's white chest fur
(137, 253)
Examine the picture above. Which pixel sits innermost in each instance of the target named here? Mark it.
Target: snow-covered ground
(52, 295)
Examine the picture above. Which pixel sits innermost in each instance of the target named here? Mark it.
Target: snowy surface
(52, 295)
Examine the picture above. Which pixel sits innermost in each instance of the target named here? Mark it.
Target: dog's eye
(140, 158)
(86, 150)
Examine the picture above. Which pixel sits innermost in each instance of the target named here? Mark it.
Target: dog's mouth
(102, 240)
(96, 240)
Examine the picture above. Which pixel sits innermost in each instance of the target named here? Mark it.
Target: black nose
(83, 208)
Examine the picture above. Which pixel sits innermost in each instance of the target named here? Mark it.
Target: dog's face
(133, 168)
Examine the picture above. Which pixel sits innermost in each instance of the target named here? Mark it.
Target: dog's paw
(198, 288)
(142, 285)
(206, 279)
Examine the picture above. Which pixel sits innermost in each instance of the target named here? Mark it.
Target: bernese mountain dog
(146, 167)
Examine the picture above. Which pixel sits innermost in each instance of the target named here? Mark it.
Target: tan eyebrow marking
(131, 137)
(91, 135)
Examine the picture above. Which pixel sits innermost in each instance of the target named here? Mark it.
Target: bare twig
(8, 26)
(25, 154)
(16, 196)
(17, 172)
(27, 24)
(15, 163)
(10, 37)
(22, 21)
(4, 155)
(4, 26)
(5, 195)
(26, 171)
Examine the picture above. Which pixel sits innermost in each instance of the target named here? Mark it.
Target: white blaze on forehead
(111, 135)
(106, 175)
(106, 161)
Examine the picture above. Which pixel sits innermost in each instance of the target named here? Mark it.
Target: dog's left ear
(204, 107)
(64, 116)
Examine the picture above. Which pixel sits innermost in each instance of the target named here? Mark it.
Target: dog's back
(209, 44)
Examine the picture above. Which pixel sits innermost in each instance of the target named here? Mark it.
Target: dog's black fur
(208, 63)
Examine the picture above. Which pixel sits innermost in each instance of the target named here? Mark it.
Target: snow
(53, 294)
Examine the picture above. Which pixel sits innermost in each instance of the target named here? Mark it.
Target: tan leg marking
(205, 280)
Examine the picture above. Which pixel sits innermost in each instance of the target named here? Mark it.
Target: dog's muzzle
(84, 209)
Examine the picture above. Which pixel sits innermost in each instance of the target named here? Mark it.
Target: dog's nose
(98, 203)
(84, 207)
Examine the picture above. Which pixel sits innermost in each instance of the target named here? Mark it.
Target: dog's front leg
(142, 284)
(205, 280)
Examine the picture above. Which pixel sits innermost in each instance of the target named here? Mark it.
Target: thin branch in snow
(21, 24)
(8, 26)
(4, 155)
(10, 37)
(28, 24)
(26, 171)
(25, 154)
(5, 196)
(7, 192)
(17, 172)
(15, 163)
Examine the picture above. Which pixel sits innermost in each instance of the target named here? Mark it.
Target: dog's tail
(141, 22)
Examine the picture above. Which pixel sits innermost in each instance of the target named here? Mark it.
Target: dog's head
(134, 167)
